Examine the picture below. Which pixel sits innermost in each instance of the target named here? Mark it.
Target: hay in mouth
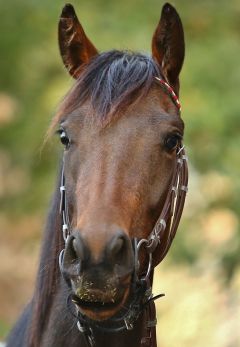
(96, 304)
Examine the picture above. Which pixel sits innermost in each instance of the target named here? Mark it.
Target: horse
(119, 195)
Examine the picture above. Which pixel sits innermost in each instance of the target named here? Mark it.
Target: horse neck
(48, 273)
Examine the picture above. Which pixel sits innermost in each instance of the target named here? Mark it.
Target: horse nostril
(74, 246)
(119, 252)
(116, 246)
(75, 250)
(78, 247)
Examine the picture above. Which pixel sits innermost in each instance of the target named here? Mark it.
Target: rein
(141, 291)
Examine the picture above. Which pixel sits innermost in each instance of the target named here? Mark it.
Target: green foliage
(32, 75)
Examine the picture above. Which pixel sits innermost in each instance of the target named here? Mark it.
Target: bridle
(142, 298)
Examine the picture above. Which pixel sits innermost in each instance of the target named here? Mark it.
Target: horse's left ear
(168, 46)
(75, 47)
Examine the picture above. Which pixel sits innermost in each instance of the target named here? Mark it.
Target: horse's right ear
(75, 47)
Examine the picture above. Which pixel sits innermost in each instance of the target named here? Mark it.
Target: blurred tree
(33, 81)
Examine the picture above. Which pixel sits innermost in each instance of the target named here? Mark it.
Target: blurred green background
(201, 275)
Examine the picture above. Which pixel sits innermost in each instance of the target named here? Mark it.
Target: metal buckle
(180, 150)
(60, 259)
(149, 266)
(62, 192)
(128, 324)
(163, 223)
(152, 323)
(140, 243)
(65, 232)
(87, 332)
(148, 293)
(81, 327)
(152, 243)
(184, 188)
(180, 161)
(62, 188)
(91, 339)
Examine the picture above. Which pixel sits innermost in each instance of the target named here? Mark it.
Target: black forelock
(112, 81)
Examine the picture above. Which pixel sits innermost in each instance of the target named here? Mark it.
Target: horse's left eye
(171, 142)
(64, 138)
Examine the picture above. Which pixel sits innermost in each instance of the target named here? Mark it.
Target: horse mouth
(98, 305)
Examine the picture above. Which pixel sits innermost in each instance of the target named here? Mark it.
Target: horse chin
(100, 310)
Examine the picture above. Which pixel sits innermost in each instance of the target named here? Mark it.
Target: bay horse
(119, 195)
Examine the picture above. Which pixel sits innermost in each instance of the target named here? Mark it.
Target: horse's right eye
(64, 138)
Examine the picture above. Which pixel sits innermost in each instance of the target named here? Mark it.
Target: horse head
(121, 131)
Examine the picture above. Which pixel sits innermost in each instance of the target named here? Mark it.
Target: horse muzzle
(100, 287)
